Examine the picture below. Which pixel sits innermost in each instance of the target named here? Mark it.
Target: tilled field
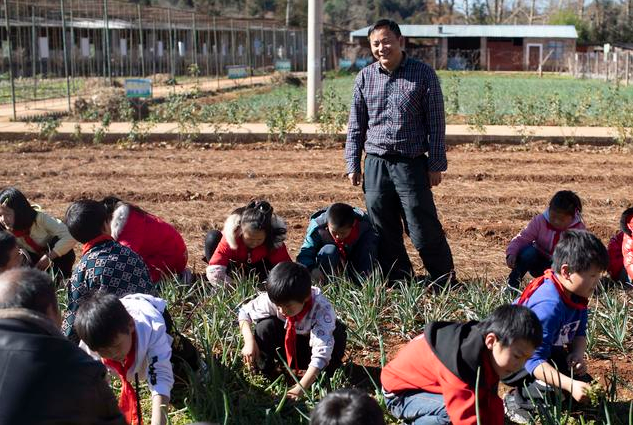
(486, 196)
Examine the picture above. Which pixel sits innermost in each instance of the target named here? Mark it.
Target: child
(10, 255)
(44, 238)
(434, 377)
(621, 250)
(131, 338)
(252, 240)
(297, 319)
(339, 236)
(347, 407)
(559, 299)
(531, 250)
(105, 264)
(157, 242)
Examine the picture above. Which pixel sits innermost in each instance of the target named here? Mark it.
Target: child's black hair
(111, 203)
(341, 215)
(258, 215)
(85, 219)
(288, 282)
(100, 318)
(7, 244)
(25, 214)
(347, 407)
(624, 221)
(566, 202)
(512, 323)
(580, 250)
(392, 25)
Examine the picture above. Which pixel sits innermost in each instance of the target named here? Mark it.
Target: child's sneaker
(514, 411)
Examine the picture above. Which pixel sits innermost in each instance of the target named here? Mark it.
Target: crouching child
(296, 319)
(339, 238)
(134, 336)
(433, 379)
(559, 299)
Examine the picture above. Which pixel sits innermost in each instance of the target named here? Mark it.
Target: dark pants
(397, 192)
(61, 265)
(360, 261)
(270, 335)
(530, 260)
(529, 389)
(259, 269)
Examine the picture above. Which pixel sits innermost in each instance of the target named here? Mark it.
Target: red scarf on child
(94, 242)
(26, 235)
(290, 341)
(350, 239)
(550, 275)
(128, 401)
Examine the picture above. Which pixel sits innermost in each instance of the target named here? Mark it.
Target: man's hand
(435, 178)
(354, 178)
(317, 275)
(577, 364)
(511, 261)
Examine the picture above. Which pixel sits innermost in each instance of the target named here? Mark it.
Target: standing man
(397, 116)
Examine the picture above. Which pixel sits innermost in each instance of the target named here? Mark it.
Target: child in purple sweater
(531, 250)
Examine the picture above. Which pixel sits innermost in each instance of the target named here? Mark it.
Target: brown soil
(486, 196)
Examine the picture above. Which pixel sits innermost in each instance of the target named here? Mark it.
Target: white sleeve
(160, 375)
(322, 335)
(257, 309)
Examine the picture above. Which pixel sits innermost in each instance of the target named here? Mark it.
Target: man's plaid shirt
(401, 113)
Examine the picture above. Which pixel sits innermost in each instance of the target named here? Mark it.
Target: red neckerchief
(128, 401)
(550, 275)
(26, 235)
(94, 242)
(350, 239)
(290, 341)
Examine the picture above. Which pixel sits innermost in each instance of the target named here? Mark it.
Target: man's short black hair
(85, 219)
(288, 282)
(580, 250)
(392, 25)
(341, 215)
(7, 243)
(566, 202)
(347, 407)
(100, 318)
(28, 288)
(512, 323)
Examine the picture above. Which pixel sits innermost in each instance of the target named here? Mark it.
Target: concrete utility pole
(315, 27)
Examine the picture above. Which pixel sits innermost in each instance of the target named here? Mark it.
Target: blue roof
(502, 31)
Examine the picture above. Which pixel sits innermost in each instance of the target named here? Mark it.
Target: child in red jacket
(252, 241)
(621, 250)
(159, 244)
(434, 377)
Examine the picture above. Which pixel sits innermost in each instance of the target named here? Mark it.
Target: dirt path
(487, 195)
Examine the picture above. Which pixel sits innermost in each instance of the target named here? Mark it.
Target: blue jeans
(419, 408)
(530, 260)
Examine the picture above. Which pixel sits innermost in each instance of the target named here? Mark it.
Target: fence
(613, 66)
(46, 41)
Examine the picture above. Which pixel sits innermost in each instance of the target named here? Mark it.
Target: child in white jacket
(130, 336)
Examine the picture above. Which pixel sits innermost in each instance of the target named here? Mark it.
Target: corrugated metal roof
(504, 31)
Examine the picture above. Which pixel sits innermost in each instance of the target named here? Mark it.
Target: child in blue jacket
(339, 238)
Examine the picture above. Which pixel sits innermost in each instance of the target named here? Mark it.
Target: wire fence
(46, 42)
(612, 66)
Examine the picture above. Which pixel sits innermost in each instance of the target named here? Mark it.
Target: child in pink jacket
(531, 250)
(621, 250)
